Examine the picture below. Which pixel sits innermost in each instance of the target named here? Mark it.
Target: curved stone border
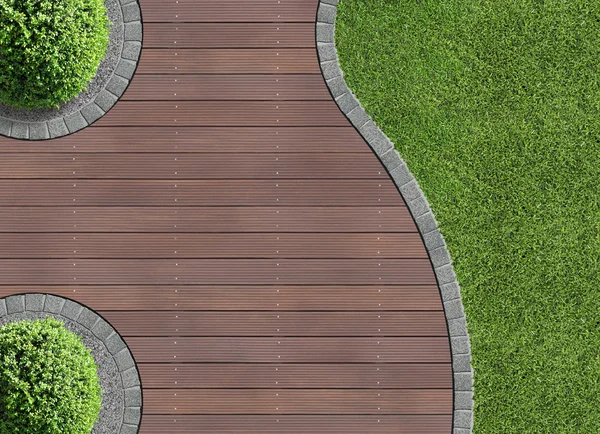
(418, 205)
(64, 308)
(107, 96)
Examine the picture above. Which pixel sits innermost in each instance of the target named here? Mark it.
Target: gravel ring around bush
(121, 408)
(104, 90)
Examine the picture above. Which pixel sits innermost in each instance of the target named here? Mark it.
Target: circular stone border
(129, 30)
(456, 322)
(14, 307)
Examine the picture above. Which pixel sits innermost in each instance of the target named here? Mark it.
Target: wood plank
(245, 297)
(234, 87)
(292, 376)
(294, 401)
(263, 245)
(191, 166)
(177, 36)
(228, 61)
(290, 350)
(195, 193)
(225, 113)
(216, 271)
(296, 424)
(201, 140)
(298, 324)
(228, 10)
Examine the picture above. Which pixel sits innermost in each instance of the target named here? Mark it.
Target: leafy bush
(48, 380)
(49, 49)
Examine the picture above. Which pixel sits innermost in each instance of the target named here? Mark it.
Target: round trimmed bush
(48, 380)
(49, 49)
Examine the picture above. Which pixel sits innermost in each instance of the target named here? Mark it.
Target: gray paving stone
(461, 431)
(92, 113)
(5, 126)
(463, 400)
(325, 32)
(463, 419)
(330, 2)
(463, 381)
(133, 397)
(401, 175)
(53, 304)
(462, 363)
(347, 102)
(15, 304)
(326, 51)
(20, 130)
(131, 50)
(132, 415)
(124, 360)
(326, 13)
(125, 2)
(410, 191)
(331, 69)
(450, 291)
(35, 302)
(57, 128)
(88, 318)
(114, 343)
(418, 206)
(426, 223)
(3, 311)
(130, 377)
(445, 274)
(131, 12)
(126, 68)
(390, 159)
(375, 138)
(117, 85)
(337, 86)
(105, 100)
(439, 256)
(102, 329)
(128, 429)
(358, 117)
(457, 327)
(454, 308)
(433, 240)
(38, 131)
(71, 310)
(460, 345)
(75, 122)
(133, 31)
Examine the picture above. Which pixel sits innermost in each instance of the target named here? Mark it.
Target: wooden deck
(233, 226)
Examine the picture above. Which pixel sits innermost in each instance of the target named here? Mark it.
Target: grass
(495, 107)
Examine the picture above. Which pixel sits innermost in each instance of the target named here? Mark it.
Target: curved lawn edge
(462, 418)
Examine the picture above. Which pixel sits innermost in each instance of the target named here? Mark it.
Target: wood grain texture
(231, 224)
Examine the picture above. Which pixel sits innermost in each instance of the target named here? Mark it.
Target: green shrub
(48, 380)
(49, 49)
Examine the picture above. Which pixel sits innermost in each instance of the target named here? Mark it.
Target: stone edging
(81, 315)
(106, 97)
(462, 421)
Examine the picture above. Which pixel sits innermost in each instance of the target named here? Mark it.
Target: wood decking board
(207, 87)
(229, 11)
(225, 113)
(254, 245)
(196, 166)
(198, 140)
(224, 219)
(293, 424)
(229, 35)
(256, 298)
(228, 61)
(294, 376)
(233, 226)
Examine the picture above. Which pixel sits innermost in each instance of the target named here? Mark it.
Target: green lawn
(495, 107)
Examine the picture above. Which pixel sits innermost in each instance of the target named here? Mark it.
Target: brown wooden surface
(230, 223)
